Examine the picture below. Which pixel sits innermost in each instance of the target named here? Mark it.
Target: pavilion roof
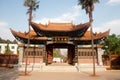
(23, 37)
(96, 36)
(36, 39)
(60, 29)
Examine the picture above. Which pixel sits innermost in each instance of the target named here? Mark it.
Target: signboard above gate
(60, 39)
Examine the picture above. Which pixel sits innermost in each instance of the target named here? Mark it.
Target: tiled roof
(59, 26)
(96, 36)
(60, 29)
(24, 36)
(55, 29)
(86, 36)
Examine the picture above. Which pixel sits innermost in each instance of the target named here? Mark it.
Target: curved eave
(18, 34)
(77, 31)
(96, 37)
(24, 38)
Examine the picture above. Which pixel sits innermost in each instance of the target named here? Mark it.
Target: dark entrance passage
(70, 52)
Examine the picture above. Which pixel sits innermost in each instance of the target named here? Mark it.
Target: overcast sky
(13, 15)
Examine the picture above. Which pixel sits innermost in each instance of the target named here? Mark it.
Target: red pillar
(49, 54)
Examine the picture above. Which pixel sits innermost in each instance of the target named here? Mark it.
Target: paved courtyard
(13, 74)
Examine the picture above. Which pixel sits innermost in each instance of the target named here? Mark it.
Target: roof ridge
(56, 23)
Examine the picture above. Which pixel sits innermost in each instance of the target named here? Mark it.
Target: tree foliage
(8, 41)
(56, 53)
(88, 5)
(32, 5)
(112, 44)
(7, 50)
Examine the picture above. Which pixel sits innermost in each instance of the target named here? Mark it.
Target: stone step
(59, 69)
(62, 68)
(59, 64)
(90, 68)
(50, 68)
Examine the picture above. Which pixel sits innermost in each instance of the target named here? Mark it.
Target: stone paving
(13, 74)
(8, 74)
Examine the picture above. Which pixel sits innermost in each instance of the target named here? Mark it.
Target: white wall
(100, 53)
(13, 48)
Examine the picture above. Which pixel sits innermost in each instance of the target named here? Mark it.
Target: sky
(13, 15)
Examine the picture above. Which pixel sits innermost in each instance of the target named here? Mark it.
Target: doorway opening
(60, 55)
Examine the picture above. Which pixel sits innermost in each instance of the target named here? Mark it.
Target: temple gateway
(76, 39)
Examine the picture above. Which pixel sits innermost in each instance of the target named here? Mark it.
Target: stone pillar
(100, 53)
(21, 49)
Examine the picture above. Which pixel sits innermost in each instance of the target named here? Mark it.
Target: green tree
(112, 44)
(118, 48)
(14, 42)
(7, 50)
(32, 5)
(56, 53)
(88, 5)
